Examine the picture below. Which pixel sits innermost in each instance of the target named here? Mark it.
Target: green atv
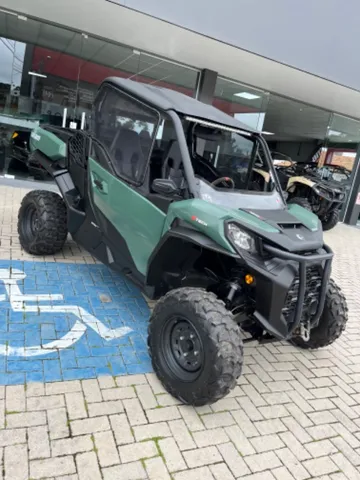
(161, 189)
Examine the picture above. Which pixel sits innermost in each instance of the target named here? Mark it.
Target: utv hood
(294, 229)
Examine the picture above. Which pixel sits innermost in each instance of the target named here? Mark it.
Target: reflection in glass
(51, 75)
(242, 102)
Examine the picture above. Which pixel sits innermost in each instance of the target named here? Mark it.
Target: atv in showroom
(322, 190)
(160, 188)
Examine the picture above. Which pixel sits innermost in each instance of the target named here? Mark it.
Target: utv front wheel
(332, 321)
(329, 221)
(42, 222)
(195, 346)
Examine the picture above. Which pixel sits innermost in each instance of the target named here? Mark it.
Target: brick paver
(294, 414)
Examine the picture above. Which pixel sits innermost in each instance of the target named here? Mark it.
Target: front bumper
(273, 281)
(331, 196)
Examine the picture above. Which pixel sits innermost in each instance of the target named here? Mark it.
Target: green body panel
(48, 143)
(212, 218)
(137, 220)
(309, 219)
(141, 224)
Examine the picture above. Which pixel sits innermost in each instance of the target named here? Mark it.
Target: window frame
(103, 92)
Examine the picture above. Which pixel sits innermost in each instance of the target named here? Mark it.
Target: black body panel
(294, 236)
(274, 279)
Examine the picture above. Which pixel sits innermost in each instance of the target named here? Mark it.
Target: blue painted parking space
(61, 321)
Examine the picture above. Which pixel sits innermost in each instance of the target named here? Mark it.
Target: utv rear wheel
(195, 346)
(329, 221)
(303, 202)
(332, 321)
(42, 223)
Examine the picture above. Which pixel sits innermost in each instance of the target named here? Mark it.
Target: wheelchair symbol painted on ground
(19, 303)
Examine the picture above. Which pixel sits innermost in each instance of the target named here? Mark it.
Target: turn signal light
(15, 134)
(249, 279)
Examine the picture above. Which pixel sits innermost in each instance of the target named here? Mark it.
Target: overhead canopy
(165, 99)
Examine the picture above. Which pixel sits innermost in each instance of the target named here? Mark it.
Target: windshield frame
(253, 135)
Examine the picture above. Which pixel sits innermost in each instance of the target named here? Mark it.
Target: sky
(6, 60)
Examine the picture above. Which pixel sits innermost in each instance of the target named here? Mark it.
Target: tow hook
(305, 331)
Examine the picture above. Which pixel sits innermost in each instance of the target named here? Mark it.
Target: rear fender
(48, 144)
(68, 190)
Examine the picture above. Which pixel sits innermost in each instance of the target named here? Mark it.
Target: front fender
(293, 181)
(177, 252)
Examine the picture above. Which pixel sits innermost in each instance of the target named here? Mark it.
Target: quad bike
(21, 158)
(316, 189)
(154, 190)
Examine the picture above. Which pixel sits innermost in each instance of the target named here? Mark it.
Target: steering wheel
(225, 180)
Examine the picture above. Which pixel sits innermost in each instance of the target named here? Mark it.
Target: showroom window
(51, 75)
(245, 103)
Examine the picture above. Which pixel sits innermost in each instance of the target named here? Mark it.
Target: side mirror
(164, 186)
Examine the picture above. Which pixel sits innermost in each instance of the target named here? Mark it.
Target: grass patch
(93, 441)
(156, 440)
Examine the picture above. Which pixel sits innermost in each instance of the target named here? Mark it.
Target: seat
(145, 141)
(127, 154)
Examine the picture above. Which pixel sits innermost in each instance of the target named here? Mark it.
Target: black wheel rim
(182, 349)
(31, 223)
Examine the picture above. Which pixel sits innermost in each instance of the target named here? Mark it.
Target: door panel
(136, 219)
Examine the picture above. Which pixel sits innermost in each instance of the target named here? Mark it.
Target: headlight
(241, 238)
(321, 191)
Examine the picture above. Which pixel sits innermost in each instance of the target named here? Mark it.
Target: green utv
(160, 188)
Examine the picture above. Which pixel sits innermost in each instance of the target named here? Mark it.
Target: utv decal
(198, 220)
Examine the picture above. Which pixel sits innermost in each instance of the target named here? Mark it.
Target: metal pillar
(206, 86)
(351, 211)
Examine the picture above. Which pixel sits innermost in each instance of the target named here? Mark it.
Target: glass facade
(341, 143)
(246, 104)
(50, 75)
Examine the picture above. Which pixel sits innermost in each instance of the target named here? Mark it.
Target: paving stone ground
(293, 415)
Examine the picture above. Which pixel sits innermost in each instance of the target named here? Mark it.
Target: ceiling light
(136, 52)
(22, 17)
(267, 133)
(335, 133)
(247, 95)
(35, 74)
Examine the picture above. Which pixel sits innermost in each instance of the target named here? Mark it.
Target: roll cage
(179, 118)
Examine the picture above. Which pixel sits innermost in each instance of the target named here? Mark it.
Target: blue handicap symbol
(66, 321)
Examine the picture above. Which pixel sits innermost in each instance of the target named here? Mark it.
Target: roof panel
(166, 99)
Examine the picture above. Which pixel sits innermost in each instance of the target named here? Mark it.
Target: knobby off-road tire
(42, 223)
(329, 221)
(303, 202)
(195, 322)
(332, 321)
